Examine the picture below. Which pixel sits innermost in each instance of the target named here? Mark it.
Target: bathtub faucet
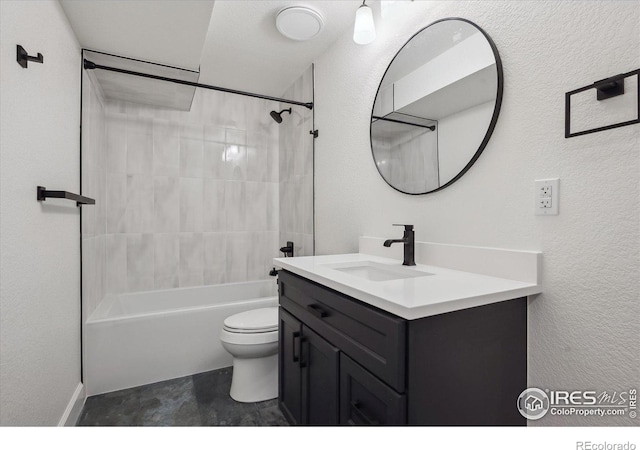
(288, 250)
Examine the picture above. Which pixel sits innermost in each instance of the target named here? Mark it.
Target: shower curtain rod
(386, 119)
(89, 65)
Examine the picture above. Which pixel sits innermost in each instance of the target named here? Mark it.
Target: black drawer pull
(317, 311)
(355, 407)
(296, 338)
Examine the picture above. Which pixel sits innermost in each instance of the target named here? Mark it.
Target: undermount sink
(374, 271)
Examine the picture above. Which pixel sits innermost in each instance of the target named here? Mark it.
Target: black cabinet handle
(356, 408)
(317, 311)
(296, 338)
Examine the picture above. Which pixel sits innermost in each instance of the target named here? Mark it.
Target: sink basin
(374, 271)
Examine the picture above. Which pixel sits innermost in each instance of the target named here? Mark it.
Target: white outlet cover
(542, 208)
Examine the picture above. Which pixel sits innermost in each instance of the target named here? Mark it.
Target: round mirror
(436, 106)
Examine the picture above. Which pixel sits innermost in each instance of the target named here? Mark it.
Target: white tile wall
(139, 145)
(116, 199)
(191, 197)
(166, 198)
(191, 154)
(116, 143)
(215, 258)
(166, 260)
(213, 160)
(116, 265)
(166, 148)
(191, 259)
(214, 208)
(139, 217)
(191, 204)
(140, 262)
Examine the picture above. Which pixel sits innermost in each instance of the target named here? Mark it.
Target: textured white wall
(583, 330)
(39, 243)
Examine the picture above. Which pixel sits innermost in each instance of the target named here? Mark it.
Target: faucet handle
(406, 227)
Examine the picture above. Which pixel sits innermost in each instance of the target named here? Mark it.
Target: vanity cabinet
(308, 369)
(342, 361)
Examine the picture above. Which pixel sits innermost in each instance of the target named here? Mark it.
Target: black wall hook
(23, 57)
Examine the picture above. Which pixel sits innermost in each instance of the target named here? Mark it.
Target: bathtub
(145, 337)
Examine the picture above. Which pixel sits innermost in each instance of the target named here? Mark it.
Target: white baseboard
(74, 408)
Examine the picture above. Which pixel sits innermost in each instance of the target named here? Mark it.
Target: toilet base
(254, 379)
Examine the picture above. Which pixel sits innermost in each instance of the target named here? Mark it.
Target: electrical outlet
(546, 201)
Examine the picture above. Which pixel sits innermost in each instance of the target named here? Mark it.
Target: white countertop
(444, 291)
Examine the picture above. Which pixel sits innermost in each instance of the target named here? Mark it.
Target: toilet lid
(254, 321)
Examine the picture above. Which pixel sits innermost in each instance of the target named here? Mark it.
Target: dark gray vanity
(343, 361)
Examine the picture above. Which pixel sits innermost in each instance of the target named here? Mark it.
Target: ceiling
(235, 43)
(162, 31)
(244, 50)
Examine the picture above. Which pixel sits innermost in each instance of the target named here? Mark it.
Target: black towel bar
(43, 194)
(607, 88)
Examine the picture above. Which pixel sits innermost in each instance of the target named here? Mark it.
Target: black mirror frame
(494, 118)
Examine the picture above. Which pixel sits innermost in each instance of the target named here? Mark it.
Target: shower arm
(89, 65)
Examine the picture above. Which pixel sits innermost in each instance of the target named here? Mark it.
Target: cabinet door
(289, 382)
(365, 400)
(319, 361)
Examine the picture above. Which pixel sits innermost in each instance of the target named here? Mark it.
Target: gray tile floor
(198, 400)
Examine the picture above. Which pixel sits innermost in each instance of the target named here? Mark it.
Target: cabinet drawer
(365, 400)
(373, 338)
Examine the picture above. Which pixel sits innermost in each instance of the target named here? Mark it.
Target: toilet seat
(229, 337)
(263, 320)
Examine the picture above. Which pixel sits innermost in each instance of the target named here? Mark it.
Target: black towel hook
(23, 57)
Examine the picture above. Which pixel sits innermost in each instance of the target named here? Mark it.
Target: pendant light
(364, 30)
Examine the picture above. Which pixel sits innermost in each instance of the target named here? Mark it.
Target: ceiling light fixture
(299, 23)
(364, 30)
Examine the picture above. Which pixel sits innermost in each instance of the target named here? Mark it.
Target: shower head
(277, 116)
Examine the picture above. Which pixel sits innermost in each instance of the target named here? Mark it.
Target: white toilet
(252, 338)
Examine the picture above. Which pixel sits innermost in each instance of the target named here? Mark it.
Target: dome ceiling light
(299, 23)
